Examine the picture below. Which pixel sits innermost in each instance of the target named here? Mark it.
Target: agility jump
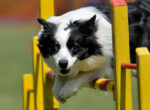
(37, 87)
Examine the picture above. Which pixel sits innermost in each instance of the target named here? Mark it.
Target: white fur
(84, 71)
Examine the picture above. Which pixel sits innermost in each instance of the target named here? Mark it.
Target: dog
(78, 45)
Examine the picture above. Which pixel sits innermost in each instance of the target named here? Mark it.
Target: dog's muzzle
(64, 71)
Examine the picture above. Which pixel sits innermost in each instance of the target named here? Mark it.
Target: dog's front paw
(60, 95)
(66, 93)
(56, 94)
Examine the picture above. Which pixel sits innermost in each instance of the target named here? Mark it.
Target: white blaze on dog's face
(63, 58)
(62, 46)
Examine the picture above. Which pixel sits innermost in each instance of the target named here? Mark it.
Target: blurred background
(17, 27)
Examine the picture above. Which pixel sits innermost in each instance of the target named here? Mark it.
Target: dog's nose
(63, 63)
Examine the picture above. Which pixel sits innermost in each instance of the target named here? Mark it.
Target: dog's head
(65, 45)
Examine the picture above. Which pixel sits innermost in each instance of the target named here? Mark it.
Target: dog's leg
(58, 85)
(66, 87)
(71, 87)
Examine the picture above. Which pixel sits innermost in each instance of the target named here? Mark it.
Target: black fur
(47, 43)
(139, 25)
(82, 41)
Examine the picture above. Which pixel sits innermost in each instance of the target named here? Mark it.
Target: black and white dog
(78, 45)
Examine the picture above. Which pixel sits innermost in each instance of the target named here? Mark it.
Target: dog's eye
(75, 50)
(57, 46)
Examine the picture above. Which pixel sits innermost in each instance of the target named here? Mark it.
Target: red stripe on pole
(118, 2)
(103, 85)
(50, 75)
(128, 66)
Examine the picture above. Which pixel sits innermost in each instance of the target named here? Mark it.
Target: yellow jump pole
(143, 69)
(121, 54)
(50, 103)
(46, 8)
(102, 84)
(38, 76)
(28, 93)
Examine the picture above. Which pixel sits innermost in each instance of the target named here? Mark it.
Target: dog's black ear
(91, 21)
(88, 27)
(43, 22)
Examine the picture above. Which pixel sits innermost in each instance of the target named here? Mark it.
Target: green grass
(16, 59)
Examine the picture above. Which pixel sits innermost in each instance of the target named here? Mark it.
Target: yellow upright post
(46, 8)
(36, 53)
(126, 96)
(46, 11)
(121, 53)
(143, 69)
(38, 76)
(28, 94)
(50, 103)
